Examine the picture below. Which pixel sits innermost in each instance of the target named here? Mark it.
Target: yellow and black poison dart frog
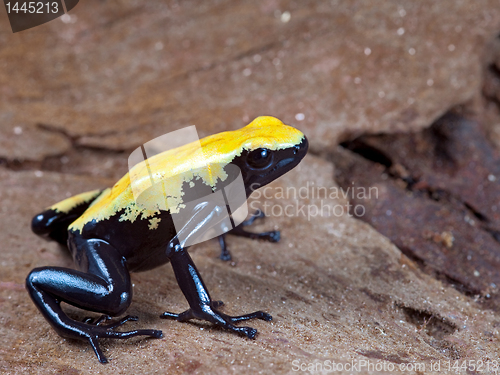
(109, 237)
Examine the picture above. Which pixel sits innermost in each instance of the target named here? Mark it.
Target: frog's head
(264, 150)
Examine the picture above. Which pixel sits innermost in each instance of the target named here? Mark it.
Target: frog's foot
(209, 313)
(104, 318)
(217, 304)
(271, 236)
(94, 321)
(96, 330)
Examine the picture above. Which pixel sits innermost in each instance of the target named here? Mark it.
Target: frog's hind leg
(53, 223)
(102, 285)
(271, 236)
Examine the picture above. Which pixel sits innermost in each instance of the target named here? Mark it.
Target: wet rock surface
(79, 93)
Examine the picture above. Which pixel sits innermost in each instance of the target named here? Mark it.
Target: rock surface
(79, 93)
(436, 195)
(339, 291)
(120, 73)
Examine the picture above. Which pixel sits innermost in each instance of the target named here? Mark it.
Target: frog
(109, 236)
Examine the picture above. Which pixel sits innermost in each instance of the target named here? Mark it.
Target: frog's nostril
(301, 148)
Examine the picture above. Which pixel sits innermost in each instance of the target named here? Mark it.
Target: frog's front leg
(103, 285)
(201, 305)
(271, 236)
(189, 279)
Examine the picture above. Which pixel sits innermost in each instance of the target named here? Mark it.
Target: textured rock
(78, 95)
(490, 99)
(22, 140)
(337, 289)
(436, 196)
(119, 73)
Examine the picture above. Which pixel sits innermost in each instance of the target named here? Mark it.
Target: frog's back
(109, 203)
(197, 162)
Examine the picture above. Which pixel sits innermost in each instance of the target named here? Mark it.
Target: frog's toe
(169, 315)
(182, 317)
(97, 330)
(128, 318)
(110, 334)
(107, 330)
(255, 315)
(216, 304)
(105, 318)
(272, 236)
(248, 332)
(96, 321)
(97, 350)
(259, 214)
(267, 317)
(225, 256)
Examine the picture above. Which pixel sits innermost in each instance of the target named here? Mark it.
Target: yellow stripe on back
(67, 205)
(173, 167)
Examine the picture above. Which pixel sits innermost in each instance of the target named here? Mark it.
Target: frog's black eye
(260, 158)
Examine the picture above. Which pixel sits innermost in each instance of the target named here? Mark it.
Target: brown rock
(22, 140)
(337, 289)
(443, 210)
(119, 74)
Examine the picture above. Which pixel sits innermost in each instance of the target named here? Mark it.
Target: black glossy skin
(107, 251)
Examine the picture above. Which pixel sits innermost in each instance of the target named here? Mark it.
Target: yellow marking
(184, 164)
(153, 223)
(67, 205)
